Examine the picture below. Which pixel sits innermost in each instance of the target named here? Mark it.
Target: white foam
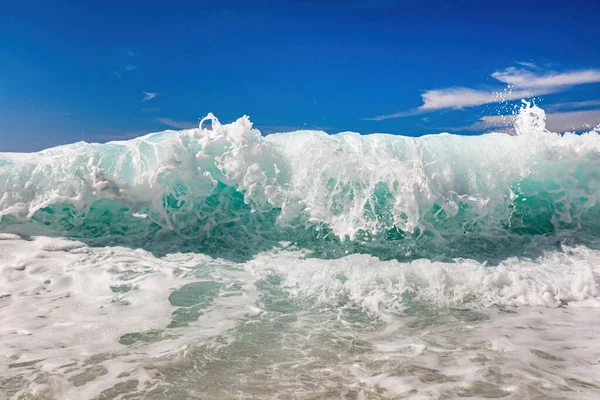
(524, 353)
(57, 244)
(57, 306)
(557, 277)
(62, 312)
(9, 236)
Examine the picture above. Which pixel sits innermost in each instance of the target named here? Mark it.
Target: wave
(389, 195)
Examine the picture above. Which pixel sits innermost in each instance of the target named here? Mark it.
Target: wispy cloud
(527, 64)
(177, 124)
(566, 121)
(458, 98)
(489, 122)
(549, 82)
(573, 120)
(398, 114)
(126, 69)
(126, 66)
(574, 105)
(111, 135)
(270, 129)
(148, 96)
(521, 82)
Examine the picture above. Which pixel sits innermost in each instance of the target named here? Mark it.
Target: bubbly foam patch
(79, 322)
(568, 276)
(76, 321)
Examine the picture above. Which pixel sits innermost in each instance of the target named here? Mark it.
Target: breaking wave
(390, 196)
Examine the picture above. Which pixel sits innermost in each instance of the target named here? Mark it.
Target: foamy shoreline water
(80, 321)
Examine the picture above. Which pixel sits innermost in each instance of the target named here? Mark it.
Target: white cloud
(573, 120)
(270, 129)
(458, 98)
(398, 114)
(547, 83)
(567, 121)
(574, 105)
(522, 83)
(130, 53)
(125, 69)
(527, 64)
(148, 96)
(111, 135)
(177, 124)
(503, 123)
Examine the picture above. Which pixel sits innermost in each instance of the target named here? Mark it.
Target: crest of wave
(201, 181)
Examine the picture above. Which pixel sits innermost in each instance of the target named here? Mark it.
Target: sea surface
(218, 263)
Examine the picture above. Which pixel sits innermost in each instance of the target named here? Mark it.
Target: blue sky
(110, 70)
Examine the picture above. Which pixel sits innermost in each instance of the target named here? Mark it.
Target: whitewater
(218, 263)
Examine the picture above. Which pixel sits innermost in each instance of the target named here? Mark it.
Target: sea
(220, 263)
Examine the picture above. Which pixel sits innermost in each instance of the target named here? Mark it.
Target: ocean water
(217, 263)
